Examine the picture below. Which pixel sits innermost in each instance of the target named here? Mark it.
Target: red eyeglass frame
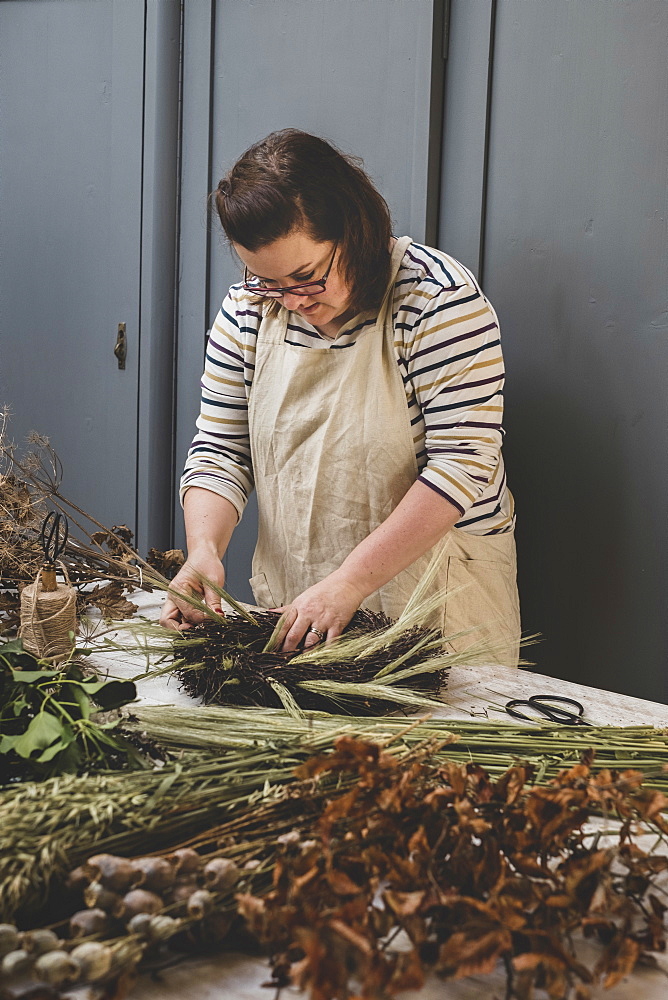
(275, 293)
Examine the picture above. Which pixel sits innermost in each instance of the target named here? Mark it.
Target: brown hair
(294, 180)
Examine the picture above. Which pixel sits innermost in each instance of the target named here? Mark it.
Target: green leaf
(12, 646)
(19, 661)
(19, 704)
(57, 747)
(77, 694)
(32, 676)
(110, 694)
(44, 730)
(7, 743)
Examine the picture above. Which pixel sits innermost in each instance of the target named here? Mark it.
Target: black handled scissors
(53, 536)
(544, 705)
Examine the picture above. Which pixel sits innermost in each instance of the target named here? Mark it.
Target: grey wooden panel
(357, 72)
(460, 230)
(71, 80)
(193, 274)
(155, 479)
(577, 265)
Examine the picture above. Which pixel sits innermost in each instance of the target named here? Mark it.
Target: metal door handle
(121, 347)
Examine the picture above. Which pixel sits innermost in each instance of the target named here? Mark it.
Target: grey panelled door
(357, 72)
(71, 79)
(574, 254)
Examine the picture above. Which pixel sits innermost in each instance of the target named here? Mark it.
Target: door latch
(121, 347)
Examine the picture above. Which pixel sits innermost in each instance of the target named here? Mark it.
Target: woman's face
(296, 258)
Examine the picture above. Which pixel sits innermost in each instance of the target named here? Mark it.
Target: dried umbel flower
(9, 939)
(56, 968)
(200, 904)
(154, 874)
(16, 963)
(40, 941)
(137, 901)
(93, 959)
(220, 874)
(186, 861)
(87, 922)
(114, 873)
(95, 895)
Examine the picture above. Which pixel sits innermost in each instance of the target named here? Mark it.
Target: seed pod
(15, 963)
(199, 904)
(154, 874)
(182, 890)
(186, 861)
(87, 922)
(137, 901)
(251, 865)
(139, 924)
(40, 941)
(95, 895)
(78, 879)
(114, 873)
(56, 968)
(162, 927)
(220, 874)
(93, 959)
(9, 939)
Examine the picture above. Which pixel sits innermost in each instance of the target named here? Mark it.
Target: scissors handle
(544, 704)
(54, 535)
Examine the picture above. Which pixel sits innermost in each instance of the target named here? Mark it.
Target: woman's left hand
(327, 607)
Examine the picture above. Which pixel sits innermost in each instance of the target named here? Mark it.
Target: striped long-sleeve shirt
(447, 347)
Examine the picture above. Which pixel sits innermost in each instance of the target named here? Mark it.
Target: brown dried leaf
(110, 601)
(168, 563)
(621, 961)
(466, 953)
(509, 787)
(404, 904)
(408, 973)
(117, 540)
(341, 884)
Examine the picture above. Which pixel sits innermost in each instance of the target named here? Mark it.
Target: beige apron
(332, 452)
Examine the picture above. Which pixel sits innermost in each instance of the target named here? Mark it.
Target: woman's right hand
(178, 614)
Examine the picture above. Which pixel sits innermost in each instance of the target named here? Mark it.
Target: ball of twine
(48, 618)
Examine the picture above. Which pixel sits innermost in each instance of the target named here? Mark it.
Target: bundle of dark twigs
(94, 554)
(367, 841)
(235, 661)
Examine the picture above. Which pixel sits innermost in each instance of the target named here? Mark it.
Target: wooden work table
(471, 692)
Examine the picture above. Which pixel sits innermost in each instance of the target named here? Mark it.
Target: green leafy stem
(47, 715)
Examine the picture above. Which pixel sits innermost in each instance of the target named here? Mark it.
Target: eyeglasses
(257, 286)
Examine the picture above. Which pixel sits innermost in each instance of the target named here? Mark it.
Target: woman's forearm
(418, 522)
(209, 521)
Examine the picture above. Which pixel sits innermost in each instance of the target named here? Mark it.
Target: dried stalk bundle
(233, 661)
(29, 487)
(493, 745)
(49, 827)
(368, 841)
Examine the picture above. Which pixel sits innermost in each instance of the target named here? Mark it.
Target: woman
(356, 380)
